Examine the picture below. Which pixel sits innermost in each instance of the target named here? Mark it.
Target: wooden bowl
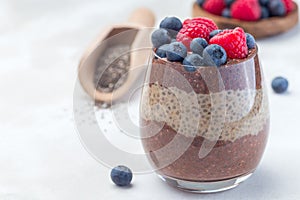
(259, 29)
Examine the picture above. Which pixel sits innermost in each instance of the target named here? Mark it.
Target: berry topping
(171, 23)
(160, 37)
(197, 45)
(280, 84)
(248, 10)
(250, 41)
(228, 3)
(176, 52)
(162, 51)
(191, 31)
(200, 43)
(192, 61)
(214, 6)
(121, 175)
(263, 2)
(214, 55)
(210, 24)
(276, 8)
(200, 2)
(289, 5)
(214, 32)
(233, 41)
(226, 13)
(194, 28)
(264, 12)
(189, 68)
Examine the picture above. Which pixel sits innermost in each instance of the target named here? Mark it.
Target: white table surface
(41, 156)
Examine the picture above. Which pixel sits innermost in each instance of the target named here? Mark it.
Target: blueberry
(160, 37)
(214, 55)
(280, 84)
(121, 175)
(177, 52)
(228, 3)
(197, 45)
(226, 13)
(276, 8)
(214, 32)
(264, 12)
(250, 41)
(191, 62)
(162, 50)
(171, 23)
(263, 2)
(200, 2)
(189, 68)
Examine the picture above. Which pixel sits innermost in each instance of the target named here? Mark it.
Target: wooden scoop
(133, 33)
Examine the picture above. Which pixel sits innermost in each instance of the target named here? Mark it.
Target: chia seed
(112, 68)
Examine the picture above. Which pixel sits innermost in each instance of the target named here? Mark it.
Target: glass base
(204, 187)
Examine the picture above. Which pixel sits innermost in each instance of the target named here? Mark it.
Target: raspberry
(210, 24)
(214, 6)
(233, 41)
(195, 28)
(289, 5)
(191, 31)
(247, 10)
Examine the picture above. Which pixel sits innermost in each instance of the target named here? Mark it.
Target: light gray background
(41, 156)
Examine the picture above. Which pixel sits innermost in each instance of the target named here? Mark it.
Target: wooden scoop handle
(143, 17)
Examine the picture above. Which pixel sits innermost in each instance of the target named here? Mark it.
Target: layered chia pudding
(210, 97)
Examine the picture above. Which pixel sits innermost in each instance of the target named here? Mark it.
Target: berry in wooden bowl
(261, 18)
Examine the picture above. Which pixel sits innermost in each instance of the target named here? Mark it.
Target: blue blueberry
(276, 8)
(160, 37)
(192, 61)
(121, 175)
(263, 2)
(250, 41)
(228, 3)
(171, 23)
(226, 12)
(189, 68)
(280, 84)
(200, 2)
(197, 45)
(177, 52)
(264, 12)
(214, 55)
(214, 32)
(161, 52)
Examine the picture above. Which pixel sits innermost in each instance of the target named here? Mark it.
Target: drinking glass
(204, 131)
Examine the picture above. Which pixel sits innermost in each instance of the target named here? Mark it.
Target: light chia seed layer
(226, 115)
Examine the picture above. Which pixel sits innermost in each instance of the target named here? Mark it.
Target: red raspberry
(247, 10)
(214, 6)
(233, 41)
(289, 5)
(211, 25)
(191, 31)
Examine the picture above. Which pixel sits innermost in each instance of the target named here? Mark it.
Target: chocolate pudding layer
(183, 111)
(226, 160)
